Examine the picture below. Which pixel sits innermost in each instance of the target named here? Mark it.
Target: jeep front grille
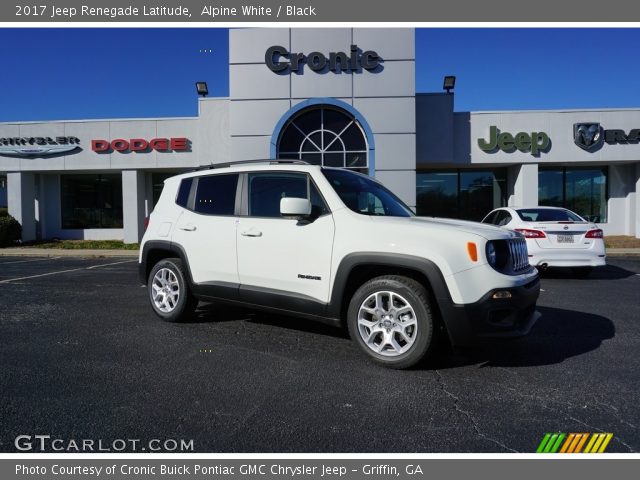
(518, 254)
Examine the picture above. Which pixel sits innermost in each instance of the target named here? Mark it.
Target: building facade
(338, 97)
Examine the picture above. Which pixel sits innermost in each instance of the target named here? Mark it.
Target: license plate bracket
(565, 238)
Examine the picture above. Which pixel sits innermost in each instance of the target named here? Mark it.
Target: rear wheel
(168, 291)
(391, 319)
(582, 272)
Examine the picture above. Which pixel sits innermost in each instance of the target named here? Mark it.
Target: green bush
(3, 212)
(10, 231)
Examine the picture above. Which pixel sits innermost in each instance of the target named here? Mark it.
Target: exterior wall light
(449, 83)
(202, 89)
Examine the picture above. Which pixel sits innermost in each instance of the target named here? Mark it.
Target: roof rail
(248, 162)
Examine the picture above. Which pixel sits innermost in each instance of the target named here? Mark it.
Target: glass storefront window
(3, 191)
(437, 194)
(481, 192)
(550, 187)
(91, 201)
(582, 190)
(466, 194)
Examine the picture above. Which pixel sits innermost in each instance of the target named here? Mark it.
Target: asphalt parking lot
(83, 357)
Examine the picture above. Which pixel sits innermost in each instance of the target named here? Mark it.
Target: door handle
(188, 228)
(251, 233)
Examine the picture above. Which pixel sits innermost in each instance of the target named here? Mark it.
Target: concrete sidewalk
(59, 252)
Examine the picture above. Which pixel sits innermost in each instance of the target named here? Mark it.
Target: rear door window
(216, 194)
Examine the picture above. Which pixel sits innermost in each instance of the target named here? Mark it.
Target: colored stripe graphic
(592, 441)
(556, 446)
(574, 442)
(567, 442)
(606, 442)
(581, 442)
(551, 443)
(582, 437)
(543, 443)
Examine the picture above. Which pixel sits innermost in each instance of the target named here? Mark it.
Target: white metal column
(133, 196)
(523, 188)
(21, 202)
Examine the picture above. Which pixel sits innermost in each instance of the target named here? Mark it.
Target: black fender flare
(421, 265)
(166, 245)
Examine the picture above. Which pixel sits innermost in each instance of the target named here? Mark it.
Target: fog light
(501, 294)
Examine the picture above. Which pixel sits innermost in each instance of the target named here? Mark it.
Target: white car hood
(489, 232)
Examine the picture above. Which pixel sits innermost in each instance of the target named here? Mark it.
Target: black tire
(185, 303)
(582, 272)
(418, 299)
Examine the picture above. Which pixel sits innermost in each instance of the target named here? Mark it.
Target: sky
(66, 74)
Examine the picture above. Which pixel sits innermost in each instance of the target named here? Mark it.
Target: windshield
(364, 196)
(548, 215)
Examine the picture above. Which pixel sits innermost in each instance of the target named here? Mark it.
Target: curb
(59, 252)
(620, 252)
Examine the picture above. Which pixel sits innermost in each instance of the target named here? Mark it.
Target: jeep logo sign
(279, 60)
(533, 143)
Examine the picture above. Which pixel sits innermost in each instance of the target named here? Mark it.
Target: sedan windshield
(365, 196)
(548, 215)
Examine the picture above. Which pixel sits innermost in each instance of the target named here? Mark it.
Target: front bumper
(554, 258)
(488, 318)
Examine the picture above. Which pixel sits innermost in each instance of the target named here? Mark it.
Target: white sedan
(556, 237)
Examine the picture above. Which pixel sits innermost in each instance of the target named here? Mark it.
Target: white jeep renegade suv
(335, 246)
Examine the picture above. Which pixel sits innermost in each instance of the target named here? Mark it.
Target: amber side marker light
(472, 250)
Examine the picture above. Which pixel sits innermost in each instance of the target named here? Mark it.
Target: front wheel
(391, 319)
(168, 291)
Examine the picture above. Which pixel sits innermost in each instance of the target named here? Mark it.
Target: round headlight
(491, 254)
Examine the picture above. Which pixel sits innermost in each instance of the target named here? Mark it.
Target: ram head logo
(587, 136)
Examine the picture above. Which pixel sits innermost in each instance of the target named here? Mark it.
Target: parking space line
(114, 263)
(28, 261)
(9, 280)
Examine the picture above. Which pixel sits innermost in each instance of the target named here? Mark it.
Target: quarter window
(216, 194)
(183, 192)
(502, 218)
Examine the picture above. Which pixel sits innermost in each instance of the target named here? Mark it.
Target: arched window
(325, 135)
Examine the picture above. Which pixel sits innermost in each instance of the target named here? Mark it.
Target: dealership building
(338, 97)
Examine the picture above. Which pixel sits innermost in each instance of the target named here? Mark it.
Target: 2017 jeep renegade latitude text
(336, 246)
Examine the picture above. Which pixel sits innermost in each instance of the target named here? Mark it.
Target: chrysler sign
(37, 146)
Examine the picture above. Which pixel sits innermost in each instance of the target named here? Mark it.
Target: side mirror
(295, 207)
